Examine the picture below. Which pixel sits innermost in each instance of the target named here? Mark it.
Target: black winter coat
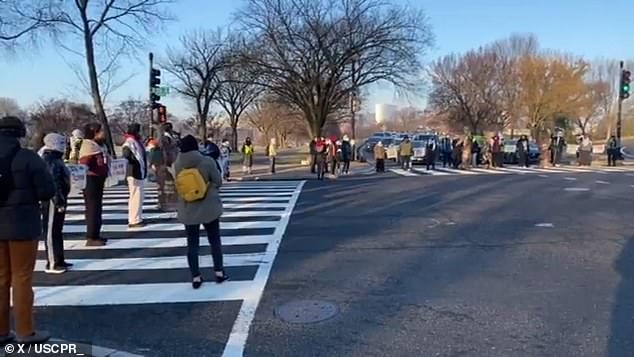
(20, 217)
(61, 176)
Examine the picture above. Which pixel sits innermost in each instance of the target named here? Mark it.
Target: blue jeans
(193, 246)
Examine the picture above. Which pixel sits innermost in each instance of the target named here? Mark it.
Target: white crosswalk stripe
(149, 264)
(443, 171)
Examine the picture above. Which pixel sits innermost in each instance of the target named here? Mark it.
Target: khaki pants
(135, 202)
(17, 260)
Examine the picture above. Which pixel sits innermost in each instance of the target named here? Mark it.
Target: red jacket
(93, 157)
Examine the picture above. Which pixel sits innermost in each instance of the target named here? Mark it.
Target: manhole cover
(306, 311)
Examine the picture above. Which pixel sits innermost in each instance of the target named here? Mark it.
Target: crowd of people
(34, 191)
(330, 156)
(469, 151)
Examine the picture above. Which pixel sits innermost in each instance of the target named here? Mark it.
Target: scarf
(137, 150)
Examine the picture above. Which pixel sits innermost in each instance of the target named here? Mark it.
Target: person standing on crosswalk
(94, 155)
(24, 182)
(54, 211)
(198, 182)
(136, 173)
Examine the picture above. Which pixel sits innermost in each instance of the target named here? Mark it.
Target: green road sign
(161, 91)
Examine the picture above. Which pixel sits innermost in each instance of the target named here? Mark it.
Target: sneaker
(65, 264)
(35, 337)
(95, 243)
(55, 270)
(8, 338)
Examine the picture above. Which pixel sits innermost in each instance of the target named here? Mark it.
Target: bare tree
(238, 87)
(128, 112)
(273, 119)
(60, 116)
(314, 54)
(468, 89)
(196, 65)
(9, 106)
(590, 109)
(19, 19)
(106, 29)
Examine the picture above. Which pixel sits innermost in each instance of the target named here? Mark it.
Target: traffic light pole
(151, 116)
(619, 116)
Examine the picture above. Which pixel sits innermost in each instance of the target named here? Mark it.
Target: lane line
(173, 215)
(403, 172)
(240, 331)
(110, 228)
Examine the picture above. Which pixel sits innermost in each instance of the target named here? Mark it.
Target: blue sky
(592, 28)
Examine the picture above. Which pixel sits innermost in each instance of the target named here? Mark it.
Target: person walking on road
(406, 151)
(612, 149)
(522, 148)
(247, 151)
(346, 154)
(332, 155)
(136, 174)
(198, 182)
(54, 211)
(24, 182)
(94, 155)
(271, 152)
(379, 156)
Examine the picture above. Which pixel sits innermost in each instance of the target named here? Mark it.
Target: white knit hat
(55, 142)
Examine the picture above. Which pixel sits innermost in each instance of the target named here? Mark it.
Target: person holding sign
(136, 173)
(94, 155)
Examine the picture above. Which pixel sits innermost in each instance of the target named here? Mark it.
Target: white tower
(384, 113)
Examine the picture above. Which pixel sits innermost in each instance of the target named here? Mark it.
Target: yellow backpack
(190, 185)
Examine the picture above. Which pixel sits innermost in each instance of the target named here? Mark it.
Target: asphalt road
(456, 266)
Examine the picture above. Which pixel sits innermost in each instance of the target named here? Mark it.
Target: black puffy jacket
(20, 214)
(61, 176)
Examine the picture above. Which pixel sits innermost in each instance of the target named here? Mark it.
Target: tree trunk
(234, 132)
(202, 128)
(94, 89)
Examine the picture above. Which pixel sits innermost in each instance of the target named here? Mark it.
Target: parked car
(419, 151)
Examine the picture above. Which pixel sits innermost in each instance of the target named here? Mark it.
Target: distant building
(385, 113)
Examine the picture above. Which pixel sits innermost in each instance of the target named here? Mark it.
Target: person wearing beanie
(225, 159)
(205, 212)
(54, 211)
(346, 154)
(24, 182)
(136, 173)
(94, 155)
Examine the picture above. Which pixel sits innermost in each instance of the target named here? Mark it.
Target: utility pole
(619, 110)
(353, 108)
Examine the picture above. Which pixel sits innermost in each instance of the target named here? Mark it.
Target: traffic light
(625, 87)
(162, 114)
(155, 80)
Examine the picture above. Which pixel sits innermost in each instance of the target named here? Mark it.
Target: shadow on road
(621, 341)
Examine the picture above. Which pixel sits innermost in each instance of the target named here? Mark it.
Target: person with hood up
(94, 155)
(247, 151)
(205, 211)
(25, 180)
(54, 211)
(72, 154)
(271, 153)
(346, 154)
(225, 159)
(136, 173)
(379, 156)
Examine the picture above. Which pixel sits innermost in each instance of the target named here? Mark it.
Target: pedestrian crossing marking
(444, 171)
(264, 206)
